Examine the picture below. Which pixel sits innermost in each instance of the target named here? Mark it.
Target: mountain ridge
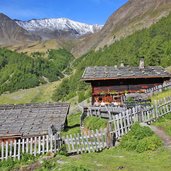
(131, 17)
(11, 32)
(58, 27)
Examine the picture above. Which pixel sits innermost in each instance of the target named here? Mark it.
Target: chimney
(141, 66)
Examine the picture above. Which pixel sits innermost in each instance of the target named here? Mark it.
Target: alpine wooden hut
(23, 121)
(110, 83)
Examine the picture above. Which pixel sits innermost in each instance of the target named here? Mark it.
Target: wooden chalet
(22, 121)
(109, 83)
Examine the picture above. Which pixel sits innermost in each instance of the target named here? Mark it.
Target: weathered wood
(27, 145)
(15, 148)
(10, 154)
(23, 143)
(39, 145)
(6, 151)
(33, 145)
(47, 143)
(19, 143)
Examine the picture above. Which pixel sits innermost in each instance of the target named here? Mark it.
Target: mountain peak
(11, 32)
(3, 16)
(58, 24)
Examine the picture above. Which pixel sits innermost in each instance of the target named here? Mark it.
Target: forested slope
(154, 44)
(19, 71)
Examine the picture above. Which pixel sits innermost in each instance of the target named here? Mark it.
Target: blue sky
(88, 11)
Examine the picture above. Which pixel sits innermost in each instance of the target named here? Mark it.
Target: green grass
(140, 139)
(91, 123)
(10, 164)
(107, 160)
(112, 160)
(41, 93)
(94, 123)
(161, 95)
(165, 123)
(73, 125)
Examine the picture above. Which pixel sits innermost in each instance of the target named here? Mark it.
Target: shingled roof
(32, 119)
(109, 72)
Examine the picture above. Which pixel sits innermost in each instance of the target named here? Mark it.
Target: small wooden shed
(20, 121)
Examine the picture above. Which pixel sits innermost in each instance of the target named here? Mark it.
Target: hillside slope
(11, 33)
(37, 94)
(19, 71)
(154, 44)
(134, 15)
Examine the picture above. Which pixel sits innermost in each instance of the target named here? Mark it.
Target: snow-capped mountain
(58, 26)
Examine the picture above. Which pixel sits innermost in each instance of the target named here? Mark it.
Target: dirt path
(159, 132)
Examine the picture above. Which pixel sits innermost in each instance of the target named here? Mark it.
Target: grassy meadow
(41, 93)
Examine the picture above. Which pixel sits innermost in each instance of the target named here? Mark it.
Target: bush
(148, 143)
(139, 132)
(140, 139)
(129, 143)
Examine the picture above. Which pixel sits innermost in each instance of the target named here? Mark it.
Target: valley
(81, 97)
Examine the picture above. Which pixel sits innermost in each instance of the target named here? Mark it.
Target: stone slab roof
(32, 119)
(108, 72)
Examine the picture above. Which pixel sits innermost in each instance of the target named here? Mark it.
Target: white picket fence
(34, 145)
(91, 142)
(120, 124)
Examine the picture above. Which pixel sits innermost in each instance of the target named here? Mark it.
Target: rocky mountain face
(134, 15)
(11, 32)
(58, 28)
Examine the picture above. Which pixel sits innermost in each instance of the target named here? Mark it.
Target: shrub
(148, 143)
(140, 139)
(139, 132)
(129, 143)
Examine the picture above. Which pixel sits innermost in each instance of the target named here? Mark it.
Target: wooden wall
(104, 88)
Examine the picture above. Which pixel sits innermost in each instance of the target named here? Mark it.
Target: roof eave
(117, 78)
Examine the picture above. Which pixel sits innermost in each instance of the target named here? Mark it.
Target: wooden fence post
(19, 152)
(2, 150)
(6, 150)
(156, 109)
(15, 148)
